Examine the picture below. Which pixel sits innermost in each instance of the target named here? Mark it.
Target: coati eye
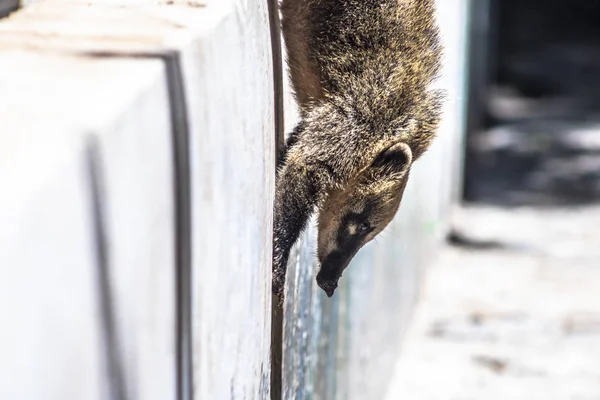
(364, 227)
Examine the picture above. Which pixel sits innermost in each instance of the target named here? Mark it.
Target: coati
(361, 72)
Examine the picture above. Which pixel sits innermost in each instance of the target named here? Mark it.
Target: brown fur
(361, 71)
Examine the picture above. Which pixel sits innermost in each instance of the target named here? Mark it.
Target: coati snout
(352, 215)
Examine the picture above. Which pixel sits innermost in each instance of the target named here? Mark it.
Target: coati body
(361, 72)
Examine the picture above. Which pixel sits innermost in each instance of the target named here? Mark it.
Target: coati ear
(394, 158)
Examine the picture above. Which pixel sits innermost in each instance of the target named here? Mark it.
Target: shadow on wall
(542, 143)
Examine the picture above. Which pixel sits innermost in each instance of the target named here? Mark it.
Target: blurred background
(512, 308)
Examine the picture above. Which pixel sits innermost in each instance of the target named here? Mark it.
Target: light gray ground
(517, 319)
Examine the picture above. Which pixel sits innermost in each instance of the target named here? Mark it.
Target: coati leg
(302, 181)
(293, 207)
(298, 190)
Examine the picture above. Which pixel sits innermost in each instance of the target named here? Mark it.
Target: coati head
(352, 215)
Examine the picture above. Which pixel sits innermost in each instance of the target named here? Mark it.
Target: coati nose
(331, 270)
(327, 286)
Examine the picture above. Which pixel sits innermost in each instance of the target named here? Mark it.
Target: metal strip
(276, 51)
(277, 310)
